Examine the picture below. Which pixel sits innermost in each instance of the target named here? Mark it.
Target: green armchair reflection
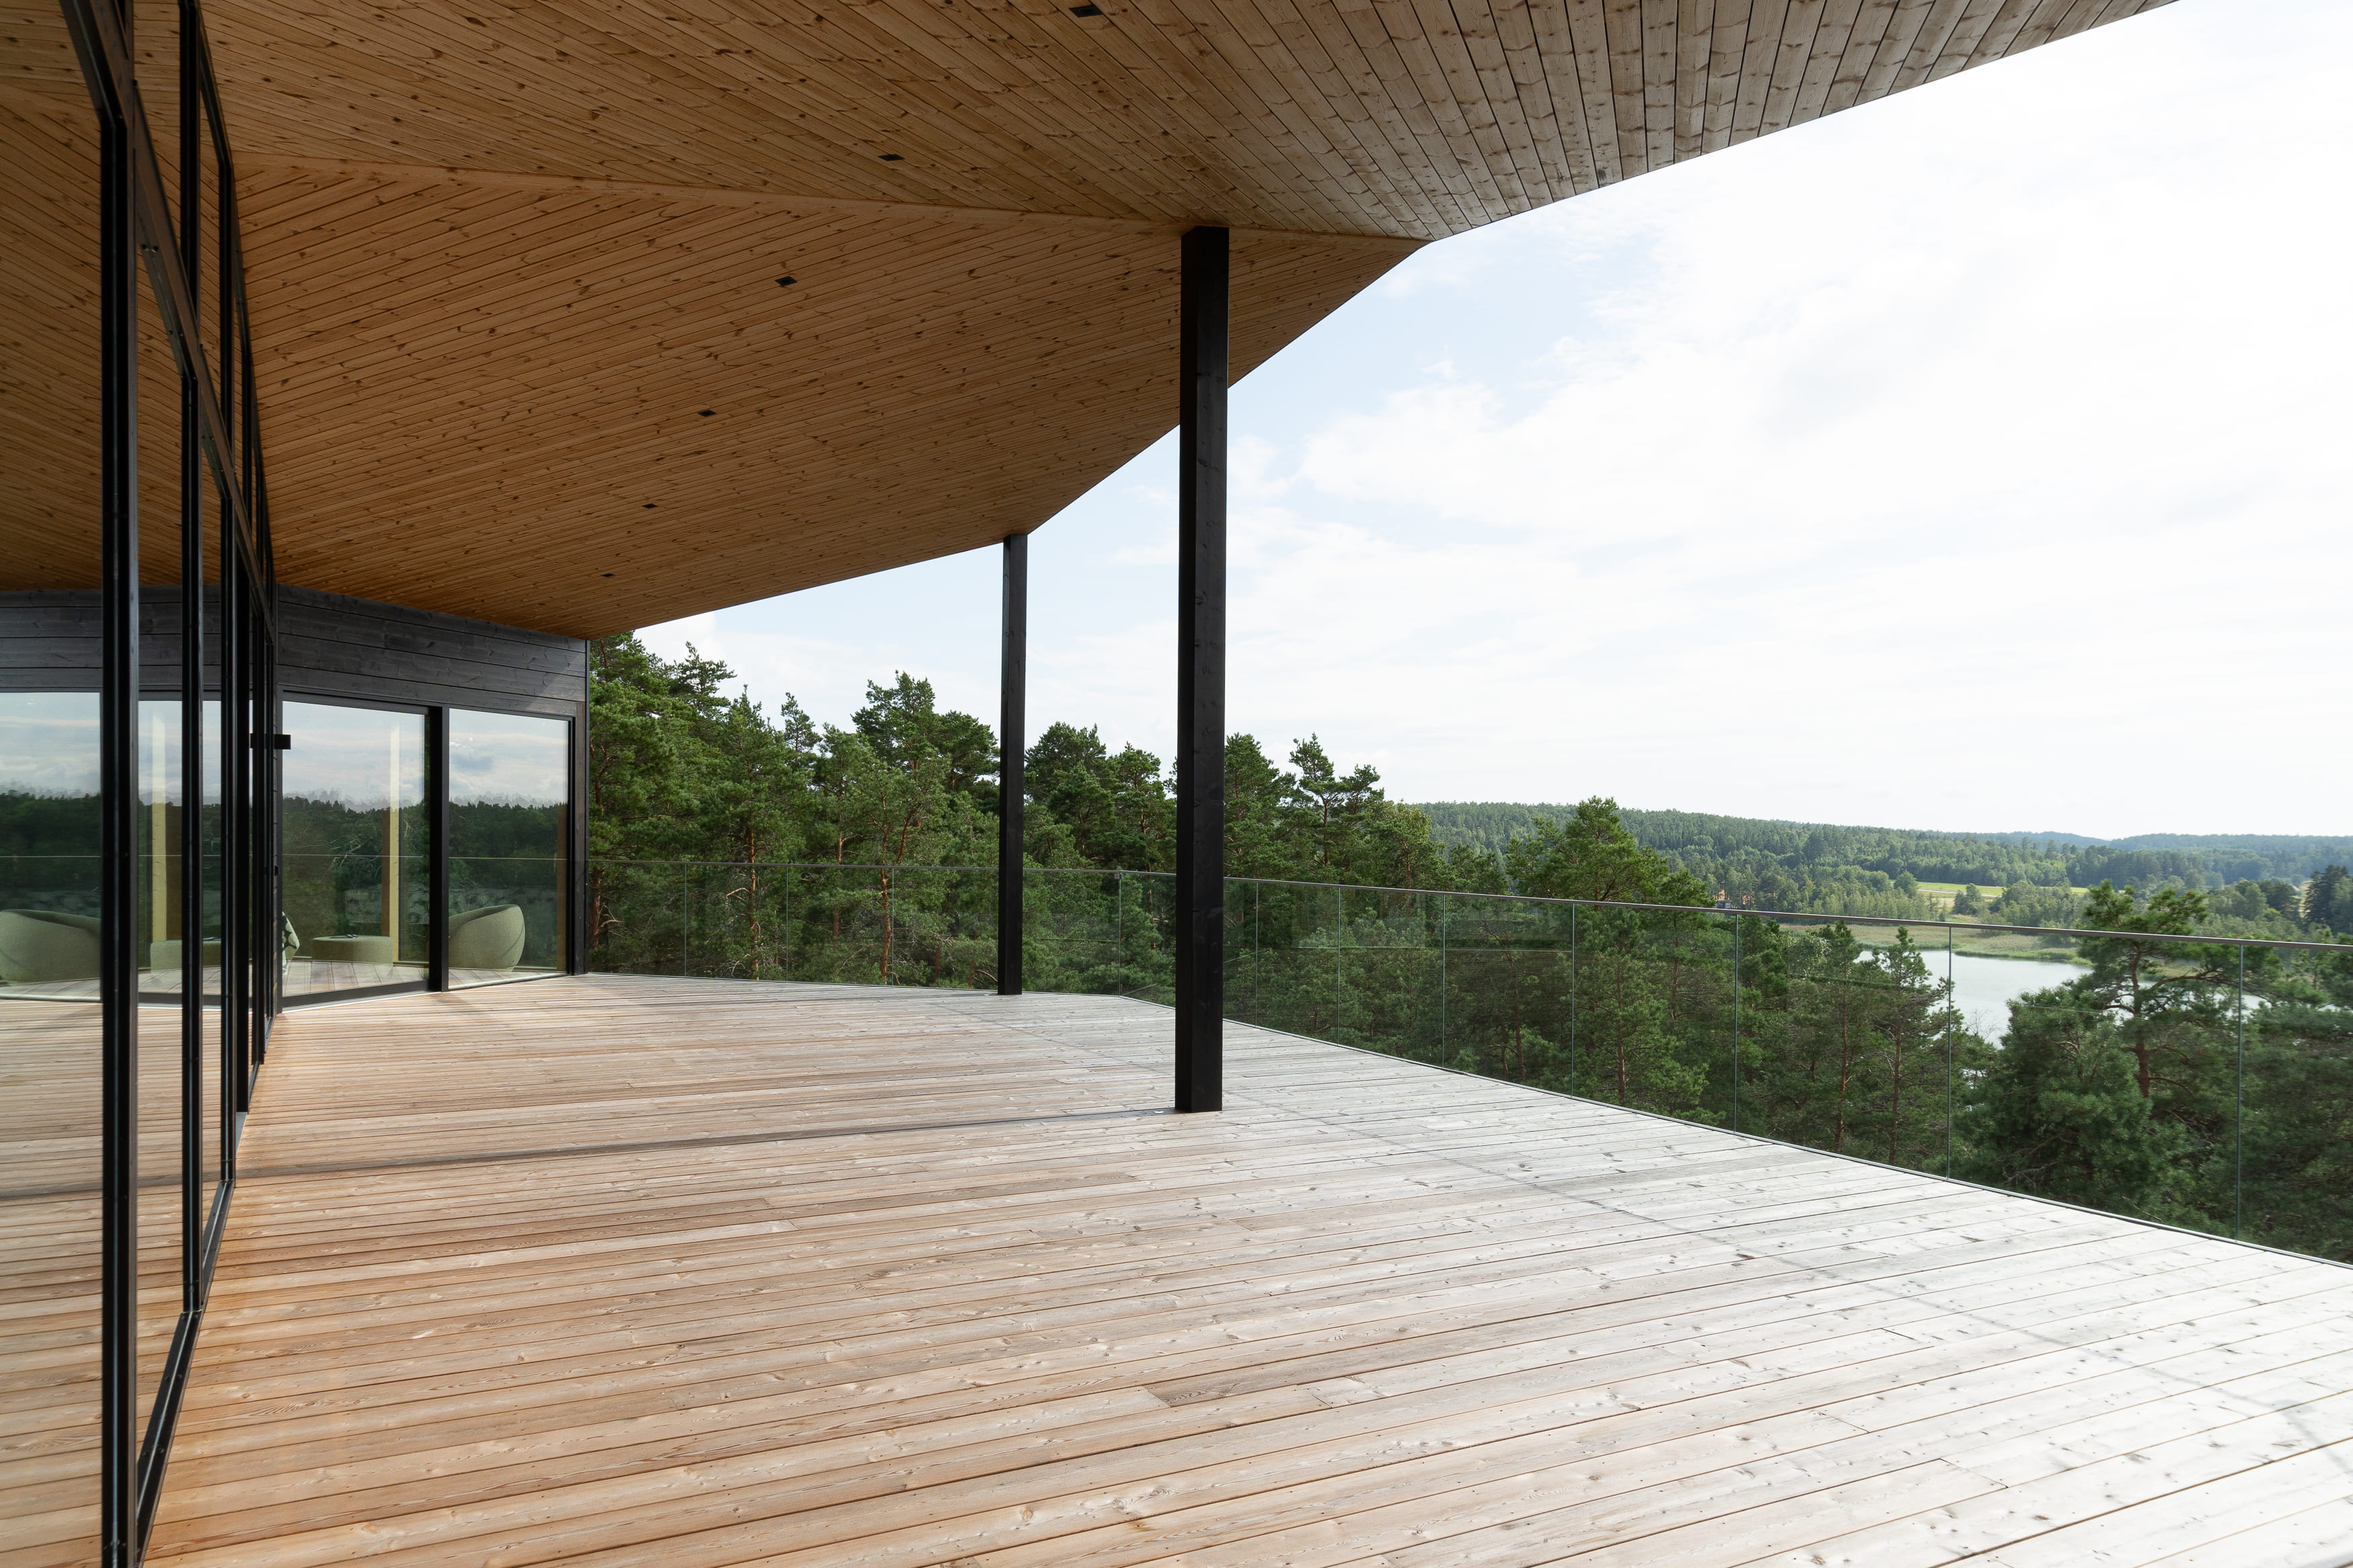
(165, 957)
(489, 938)
(37, 946)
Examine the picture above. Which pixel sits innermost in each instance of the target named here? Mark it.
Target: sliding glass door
(363, 790)
(356, 844)
(509, 832)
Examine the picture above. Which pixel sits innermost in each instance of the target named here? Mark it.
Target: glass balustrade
(2195, 1081)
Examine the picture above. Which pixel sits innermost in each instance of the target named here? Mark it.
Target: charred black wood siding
(329, 644)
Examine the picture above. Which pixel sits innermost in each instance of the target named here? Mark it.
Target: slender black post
(192, 697)
(1012, 732)
(436, 829)
(1201, 673)
(578, 939)
(233, 743)
(117, 765)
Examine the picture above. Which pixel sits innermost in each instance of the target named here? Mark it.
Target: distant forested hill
(1757, 852)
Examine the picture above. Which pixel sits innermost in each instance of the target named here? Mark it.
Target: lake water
(1983, 987)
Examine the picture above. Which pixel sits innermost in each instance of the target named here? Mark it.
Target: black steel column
(578, 940)
(118, 767)
(1012, 738)
(437, 828)
(1201, 674)
(235, 747)
(192, 696)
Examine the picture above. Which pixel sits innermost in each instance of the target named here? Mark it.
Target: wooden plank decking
(695, 1273)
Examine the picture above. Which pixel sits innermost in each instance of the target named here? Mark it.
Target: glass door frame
(436, 716)
(435, 794)
(572, 909)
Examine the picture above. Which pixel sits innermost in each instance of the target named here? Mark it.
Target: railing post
(1012, 677)
(2239, 1113)
(1201, 671)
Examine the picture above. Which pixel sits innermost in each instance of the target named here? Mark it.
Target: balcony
(632, 1270)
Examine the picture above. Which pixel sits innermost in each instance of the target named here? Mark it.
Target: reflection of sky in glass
(48, 746)
(49, 743)
(507, 759)
(159, 753)
(348, 755)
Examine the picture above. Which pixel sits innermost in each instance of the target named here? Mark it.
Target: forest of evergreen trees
(2154, 1080)
(2258, 886)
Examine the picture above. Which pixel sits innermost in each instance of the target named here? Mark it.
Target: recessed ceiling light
(1086, 10)
(892, 158)
(608, 573)
(709, 412)
(649, 506)
(785, 282)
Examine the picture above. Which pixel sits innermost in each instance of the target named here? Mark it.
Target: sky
(1976, 459)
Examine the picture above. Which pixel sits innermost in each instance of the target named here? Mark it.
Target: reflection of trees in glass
(334, 871)
(508, 824)
(48, 852)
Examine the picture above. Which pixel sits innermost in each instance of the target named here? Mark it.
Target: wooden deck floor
(688, 1273)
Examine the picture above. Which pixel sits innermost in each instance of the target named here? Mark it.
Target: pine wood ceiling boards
(502, 256)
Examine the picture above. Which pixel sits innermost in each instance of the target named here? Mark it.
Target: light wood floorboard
(640, 1271)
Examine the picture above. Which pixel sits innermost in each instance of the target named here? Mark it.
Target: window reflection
(161, 802)
(357, 878)
(49, 843)
(510, 793)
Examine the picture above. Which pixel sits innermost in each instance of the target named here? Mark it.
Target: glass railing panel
(1147, 953)
(1850, 1040)
(2145, 1037)
(2134, 1073)
(1651, 996)
(1068, 917)
(635, 915)
(1295, 981)
(2293, 1133)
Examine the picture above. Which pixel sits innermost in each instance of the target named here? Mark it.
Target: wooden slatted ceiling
(928, 384)
(502, 253)
(49, 354)
(1405, 118)
(691, 1274)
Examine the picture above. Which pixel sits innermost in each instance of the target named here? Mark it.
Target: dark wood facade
(334, 646)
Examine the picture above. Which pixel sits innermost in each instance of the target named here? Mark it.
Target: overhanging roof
(503, 255)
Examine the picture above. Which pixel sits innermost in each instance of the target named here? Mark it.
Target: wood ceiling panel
(927, 383)
(48, 370)
(501, 253)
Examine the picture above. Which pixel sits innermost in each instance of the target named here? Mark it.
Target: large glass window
(510, 830)
(50, 1018)
(357, 874)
